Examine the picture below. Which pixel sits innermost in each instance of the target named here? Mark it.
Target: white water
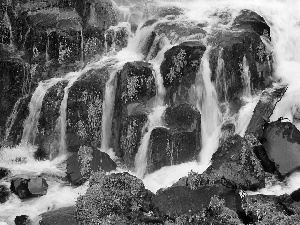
(154, 120)
(282, 16)
(209, 108)
(35, 105)
(220, 76)
(246, 78)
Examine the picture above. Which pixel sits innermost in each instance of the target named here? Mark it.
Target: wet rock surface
(281, 142)
(61, 216)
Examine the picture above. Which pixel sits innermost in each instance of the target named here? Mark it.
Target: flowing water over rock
(208, 62)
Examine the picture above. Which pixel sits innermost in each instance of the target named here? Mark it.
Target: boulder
(22, 220)
(63, 216)
(4, 172)
(29, 187)
(281, 140)
(179, 69)
(235, 165)
(86, 161)
(4, 194)
(180, 200)
(116, 197)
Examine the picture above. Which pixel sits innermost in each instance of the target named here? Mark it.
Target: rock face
(115, 199)
(4, 194)
(64, 216)
(178, 200)
(29, 187)
(281, 141)
(86, 161)
(235, 165)
(179, 68)
(135, 93)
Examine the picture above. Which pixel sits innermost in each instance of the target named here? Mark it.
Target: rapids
(283, 17)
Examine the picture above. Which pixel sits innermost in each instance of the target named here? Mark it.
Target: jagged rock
(281, 140)
(263, 110)
(4, 172)
(135, 92)
(179, 200)
(87, 160)
(120, 197)
(63, 216)
(29, 187)
(235, 165)
(22, 220)
(4, 194)
(179, 68)
(239, 54)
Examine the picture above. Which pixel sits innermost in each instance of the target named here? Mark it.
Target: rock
(179, 200)
(263, 111)
(87, 160)
(268, 165)
(4, 194)
(182, 118)
(268, 210)
(29, 187)
(135, 92)
(239, 60)
(249, 19)
(235, 165)
(281, 141)
(131, 136)
(4, 172)
(84, 106)
(22, 220)
(179, 68)
(120, 197)
(63, 216)
(295, 195)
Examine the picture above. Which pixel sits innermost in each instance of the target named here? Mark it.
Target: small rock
(4, 194)
(22, 220)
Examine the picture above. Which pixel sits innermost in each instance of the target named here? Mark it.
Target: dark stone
(182, 118)
(295, 195)
(4, 194)
(22, 220)
(85, 105)
(61, 216)
(234, 49)
(87, 160)
(116, 196)
(179, 200)
(281, 141)
(268, 165)
(131, 136)
(263, 111)
(235, 165)
(4, 172)
(179, 69)
(135, 93)
(249, 19)
(29, 187)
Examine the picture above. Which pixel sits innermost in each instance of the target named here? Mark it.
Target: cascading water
(246, 78)
(284, 21)
(209, 108)
(35, 105)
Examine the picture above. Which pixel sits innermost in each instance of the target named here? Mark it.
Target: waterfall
(220, 76)
(246, 78)
(35, 105)
(107, 113)
(208, 106)
(63, 111)
(154, 120)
